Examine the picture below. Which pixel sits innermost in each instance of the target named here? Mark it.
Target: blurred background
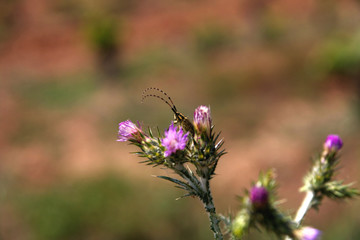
(279, 77)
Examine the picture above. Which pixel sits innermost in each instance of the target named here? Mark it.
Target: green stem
(214, 222)
(202, 187)
(210, 210)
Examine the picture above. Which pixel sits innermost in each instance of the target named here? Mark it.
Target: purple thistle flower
(259, 196)
(128, 130)
(202, 118)
(308, 233)
(333, 143)
(174, 140)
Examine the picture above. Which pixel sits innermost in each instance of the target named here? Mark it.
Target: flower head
(308, 233)
(174, 140)
(259, 196)
(129, 131)
(333, 143)
(202, 118)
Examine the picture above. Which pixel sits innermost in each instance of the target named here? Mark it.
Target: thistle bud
(129, 131)
(202, 119)
(308, 233)
(259, 197)
(333, 143)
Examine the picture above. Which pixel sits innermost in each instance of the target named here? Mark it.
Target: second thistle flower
(333, 143)
(308, 233)
(129, 131)
(259, 197)
(202, 119)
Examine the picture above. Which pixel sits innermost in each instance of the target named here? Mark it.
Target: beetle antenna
(170, 102)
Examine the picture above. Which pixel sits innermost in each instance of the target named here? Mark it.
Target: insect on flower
(179, 118)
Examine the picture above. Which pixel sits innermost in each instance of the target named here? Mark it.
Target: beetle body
(179, 118)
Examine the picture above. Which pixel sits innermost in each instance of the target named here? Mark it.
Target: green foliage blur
(211, 39)
(108, 207)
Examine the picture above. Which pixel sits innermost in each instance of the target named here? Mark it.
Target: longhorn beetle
(178, 117)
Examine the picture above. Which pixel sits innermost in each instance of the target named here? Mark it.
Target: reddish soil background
(45, 43)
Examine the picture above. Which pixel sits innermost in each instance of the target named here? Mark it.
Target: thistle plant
(178, 150)
(193, 153)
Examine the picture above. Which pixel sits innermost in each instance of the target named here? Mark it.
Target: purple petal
(259, 196)
(174, 140)
(333, 142)
(127, 130)
(309, 233)
(202, 118)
